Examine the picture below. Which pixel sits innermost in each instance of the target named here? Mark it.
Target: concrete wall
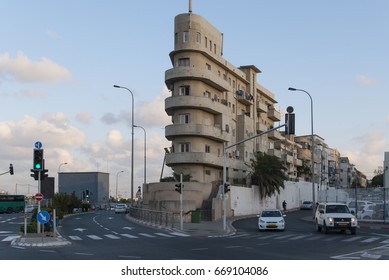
(246, 201)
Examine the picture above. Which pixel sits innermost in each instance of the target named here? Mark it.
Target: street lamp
(59, 171)
(117, 177)
(132, 141)
(312, 146)
(144, 130)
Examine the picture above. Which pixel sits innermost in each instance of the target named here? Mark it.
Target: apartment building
(214, 104)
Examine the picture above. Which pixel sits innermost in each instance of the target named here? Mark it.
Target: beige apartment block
(214, 103)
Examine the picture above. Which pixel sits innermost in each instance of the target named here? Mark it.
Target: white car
(271, 220)
(120, 208)
(335, 216)
(306, 204)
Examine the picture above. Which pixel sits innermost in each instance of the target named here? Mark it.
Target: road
(104, 235)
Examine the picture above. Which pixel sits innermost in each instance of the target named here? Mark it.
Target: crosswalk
(365, 239)
(118, 236)
(8, 236)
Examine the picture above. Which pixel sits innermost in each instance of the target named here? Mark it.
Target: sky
(59, 61)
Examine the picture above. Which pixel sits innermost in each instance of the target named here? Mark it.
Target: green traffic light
(38, 166)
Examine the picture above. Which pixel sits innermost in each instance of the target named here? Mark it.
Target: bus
(12, 203)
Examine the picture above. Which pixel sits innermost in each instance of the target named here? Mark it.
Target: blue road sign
(43, 217)
(38, 145)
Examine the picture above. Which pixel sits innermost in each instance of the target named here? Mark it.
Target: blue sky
(59, 61)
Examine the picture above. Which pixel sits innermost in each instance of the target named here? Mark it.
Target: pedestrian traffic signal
(178, 187)
(226, 188)
(38, 159)
(11, 169)
(35, 174)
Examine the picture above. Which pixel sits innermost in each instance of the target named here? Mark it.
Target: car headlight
(353, 219)
(330, 219)
(282, 222)
(261, 221)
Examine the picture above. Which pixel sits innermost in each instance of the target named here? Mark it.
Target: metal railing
(162, 218)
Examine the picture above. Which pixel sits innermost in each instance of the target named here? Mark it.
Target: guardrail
(162, 218)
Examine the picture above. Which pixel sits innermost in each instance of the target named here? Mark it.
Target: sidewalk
(39, 240)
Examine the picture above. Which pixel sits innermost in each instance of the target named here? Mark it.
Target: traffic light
(35, 174)
(44, 171)
(38, 159)
(87, 193)
(11, 169)
(83, 195)
(178, 187)
(289, 121)
(226, 188)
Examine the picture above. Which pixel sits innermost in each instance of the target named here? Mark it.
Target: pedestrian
(284, 205)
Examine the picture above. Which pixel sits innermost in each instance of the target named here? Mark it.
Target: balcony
(191, 73)
(261, 107)
(204, 103)
(261, 127)
(194, 158)
(244, 97)
(214, 133)
(274, 152)
(274, 115)
(275, 135)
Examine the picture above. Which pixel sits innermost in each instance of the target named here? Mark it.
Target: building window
(210, 45)
(206, 42)
(208, 172)
(184, 147)
(208, 66)
(207, 148)
(207, 94)
(214, 48)
(183, 62)
(185, 90)
(185, 37)
(198, 37)
(184, 118)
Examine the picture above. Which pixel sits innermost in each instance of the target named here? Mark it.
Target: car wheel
(325, 228)
(318, 227)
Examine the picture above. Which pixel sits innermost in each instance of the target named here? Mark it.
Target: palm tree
(268, 174)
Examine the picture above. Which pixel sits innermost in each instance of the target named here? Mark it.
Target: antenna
(190, 6)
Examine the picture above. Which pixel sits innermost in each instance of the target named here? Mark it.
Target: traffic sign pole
(39, 202)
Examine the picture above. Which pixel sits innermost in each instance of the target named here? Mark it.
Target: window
(208, 172)
(183, 62)
(206, 42)
(185, 37)
(207, 148)
(184, 90)
(210, 45)
(184, 118)
(207, 94)
(214, 48)
(184, 147)
(208, 66)
(198, 37)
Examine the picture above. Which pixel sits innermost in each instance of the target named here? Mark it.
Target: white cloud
(366, 81)
(84, 117)
(370, 154)
(23, 69)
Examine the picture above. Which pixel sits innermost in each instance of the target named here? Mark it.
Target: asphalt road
(104, 235)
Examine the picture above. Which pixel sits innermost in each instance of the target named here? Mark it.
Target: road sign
(38, 145)
(43, 217)
(39, 196)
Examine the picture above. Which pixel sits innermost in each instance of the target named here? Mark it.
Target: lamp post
(117, 179)
(144, 172)
(59, 171)
(132, 141)
(312, 148)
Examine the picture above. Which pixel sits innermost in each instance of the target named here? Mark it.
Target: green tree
(268, 174)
